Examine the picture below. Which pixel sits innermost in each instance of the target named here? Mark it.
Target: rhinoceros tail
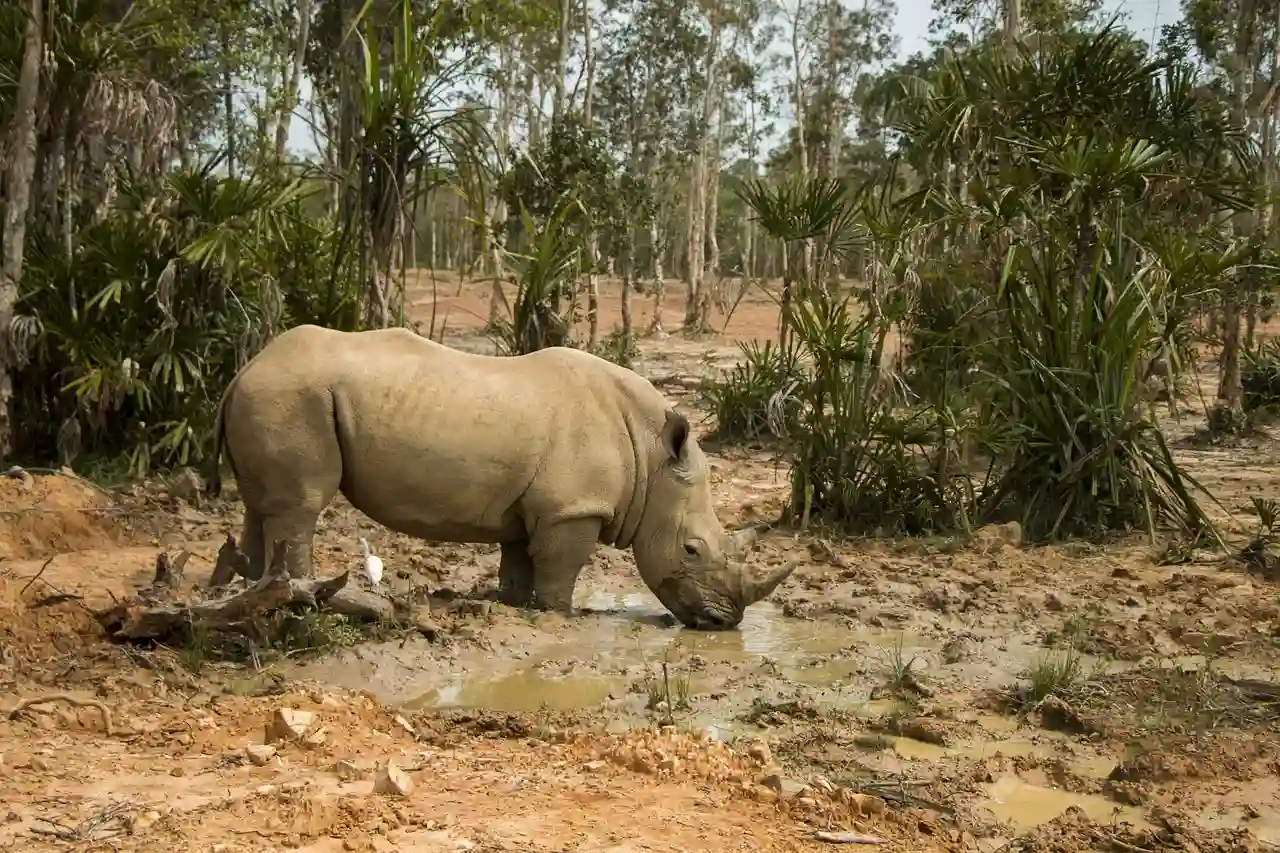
(214, 480)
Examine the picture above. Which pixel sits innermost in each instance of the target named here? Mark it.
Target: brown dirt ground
(535, 732)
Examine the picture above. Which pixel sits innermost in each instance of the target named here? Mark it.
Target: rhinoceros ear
(675, 435)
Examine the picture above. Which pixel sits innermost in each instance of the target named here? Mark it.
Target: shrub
(759, 390)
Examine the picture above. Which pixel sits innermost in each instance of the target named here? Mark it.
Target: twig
(1124, 845)
(846, 837)
(23, 704)
(37, 575)
(86, 829)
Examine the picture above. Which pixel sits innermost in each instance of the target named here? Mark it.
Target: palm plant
(544, 278)
(1079, 161)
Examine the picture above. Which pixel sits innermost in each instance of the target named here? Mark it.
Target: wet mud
(1072, 696)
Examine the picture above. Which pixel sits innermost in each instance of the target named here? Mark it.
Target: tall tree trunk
(228, 101)
(18, 178)
(562, 59)
(798, 96)
(657, 247)
(1229, 405)
(498, 236)
(696, 304)
(593, 238)
(294, 83)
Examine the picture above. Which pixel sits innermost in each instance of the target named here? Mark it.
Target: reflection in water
(618, 641)
(526, 690)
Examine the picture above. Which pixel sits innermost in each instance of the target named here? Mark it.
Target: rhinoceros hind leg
(297, 527)
(515, 574)
(559, 552)
(252, 545)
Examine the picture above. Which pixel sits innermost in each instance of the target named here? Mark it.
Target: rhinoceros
(546, 454)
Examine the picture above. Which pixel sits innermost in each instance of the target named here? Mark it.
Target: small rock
(782, 786)
(822, 784)
(471, 607)
(992, 537)
(390, 779)
(316, 739)
(346, 769)
(259, 753)
(404, 724)
(956, 650)
(759, 750)
(178, 771)
(594, 766)
(288, 724)
(40, 764)
(1056, 601)
(944, 598)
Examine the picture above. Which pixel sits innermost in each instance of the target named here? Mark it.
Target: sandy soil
(875, 691)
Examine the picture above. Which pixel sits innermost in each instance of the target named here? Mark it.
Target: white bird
(372, 563)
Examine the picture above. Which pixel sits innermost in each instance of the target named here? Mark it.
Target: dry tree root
(31, 702)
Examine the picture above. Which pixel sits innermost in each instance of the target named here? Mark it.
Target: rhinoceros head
(684, 555)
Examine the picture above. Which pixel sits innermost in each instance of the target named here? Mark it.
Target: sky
(912, 25)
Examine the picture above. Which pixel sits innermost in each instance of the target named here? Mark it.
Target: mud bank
(1074, 696)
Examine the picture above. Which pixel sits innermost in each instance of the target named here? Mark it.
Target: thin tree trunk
(498, 237)
(1230, 396)
(593, 239)
(695, 312)
(562, 59)
(18, 178)
(294, 84)
(228, 102)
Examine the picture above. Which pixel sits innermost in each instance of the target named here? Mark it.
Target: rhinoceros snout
(714, 622)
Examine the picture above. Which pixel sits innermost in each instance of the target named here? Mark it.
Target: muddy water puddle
(1023, 804)
(614, 655)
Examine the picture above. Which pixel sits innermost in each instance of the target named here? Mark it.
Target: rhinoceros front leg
(560, 550)
(515, 574)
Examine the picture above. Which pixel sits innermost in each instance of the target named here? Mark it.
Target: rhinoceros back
(438, 443)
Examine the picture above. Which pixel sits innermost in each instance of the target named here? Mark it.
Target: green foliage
(1260, 378)
(544, 278)
(758, 390)
(1033, 290)
(134, 336)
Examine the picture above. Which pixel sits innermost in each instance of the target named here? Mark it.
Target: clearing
(888, 688)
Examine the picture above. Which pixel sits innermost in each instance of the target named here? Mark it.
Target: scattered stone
(760, 752)
(259, 753)
(40, 764)
(390, 779)
(288, 724)
(472, 607)
(956, 650)
(785, 788)
(346, 769)
(404, 724)
(822, 784)
(316, 739)
(594, 766)
(1056, 601)
(945, 598)
(992, 537)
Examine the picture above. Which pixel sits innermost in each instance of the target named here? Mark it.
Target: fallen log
(140, 619)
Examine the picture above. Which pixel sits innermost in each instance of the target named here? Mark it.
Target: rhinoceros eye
(691, 549)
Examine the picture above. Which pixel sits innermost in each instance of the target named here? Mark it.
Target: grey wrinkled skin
(547, 454)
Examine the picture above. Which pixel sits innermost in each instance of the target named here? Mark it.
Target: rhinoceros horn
(758, 588)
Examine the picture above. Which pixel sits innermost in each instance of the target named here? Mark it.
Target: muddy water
(1023, 805)
(618, 647)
